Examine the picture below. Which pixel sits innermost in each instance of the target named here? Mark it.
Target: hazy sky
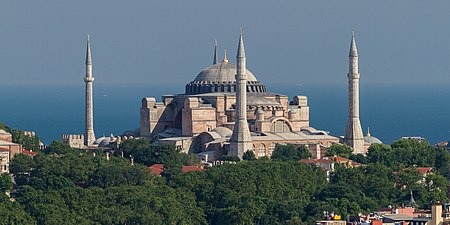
(170, 42)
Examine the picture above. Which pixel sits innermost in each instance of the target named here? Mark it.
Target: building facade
(222, 104)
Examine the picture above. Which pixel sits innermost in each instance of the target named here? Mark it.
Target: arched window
(280, 126)
(261, 150)
(271, 148)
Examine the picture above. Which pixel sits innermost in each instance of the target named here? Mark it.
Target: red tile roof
(328, 159)
(28, 153)
(186, 169)
(159, 168)
(424, 170)
(421, 170)
(339, 159)
(308, 161)
(315, 161)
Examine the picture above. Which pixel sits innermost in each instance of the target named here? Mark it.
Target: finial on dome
(368, 131)
(225, 60)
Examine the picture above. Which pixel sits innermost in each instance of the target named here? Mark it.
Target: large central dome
(222, 72)
(220, 77)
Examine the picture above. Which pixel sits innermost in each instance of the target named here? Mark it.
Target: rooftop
(159, 168)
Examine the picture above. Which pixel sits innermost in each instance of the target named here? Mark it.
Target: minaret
(412, 202)
(216, 57)
(89, 136)
(240, 141)
(354, 135)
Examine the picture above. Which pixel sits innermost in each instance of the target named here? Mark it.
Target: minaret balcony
(88, 79)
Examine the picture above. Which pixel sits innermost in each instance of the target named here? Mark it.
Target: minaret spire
(353, 134)
(89, 136)
(241, 49)
(240, 140)
(412, 202)
(216, 57)
(353, 51)
(88, 51)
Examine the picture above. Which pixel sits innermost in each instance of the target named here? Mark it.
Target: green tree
(380, 153)
(118, 172)
(339, 150)
(230, 158)
(290, 152)
(140, 150)
(21, 164)
(57, 147)
(359, 158)
(13, 213)
(5, 128)
(6, 183)
(28, 142)
(249, 155)
(411, 152)
(442, 161)
(147, 154)
(249, 193)
(435, 190)
(60, 191)
(190, 159)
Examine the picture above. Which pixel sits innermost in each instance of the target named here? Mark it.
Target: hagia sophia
(226, 110)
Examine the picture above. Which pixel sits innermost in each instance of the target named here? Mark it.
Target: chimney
(436, 214)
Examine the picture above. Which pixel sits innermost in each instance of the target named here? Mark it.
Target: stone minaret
(353, 135)
(89, 136)
(240, 141)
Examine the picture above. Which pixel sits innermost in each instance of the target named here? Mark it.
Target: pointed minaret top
(225, 60)
(216, 59)
(241, 50)
(353, 50)
(88, 52)
(411, 200)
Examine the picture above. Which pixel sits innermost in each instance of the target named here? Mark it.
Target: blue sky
(141, 42)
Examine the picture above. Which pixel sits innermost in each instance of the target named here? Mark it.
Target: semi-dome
(253, 100)
(223, 131)
(221, 77)
(104, 143)
(96, 142)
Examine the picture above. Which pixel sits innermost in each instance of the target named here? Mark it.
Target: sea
(390, 111)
